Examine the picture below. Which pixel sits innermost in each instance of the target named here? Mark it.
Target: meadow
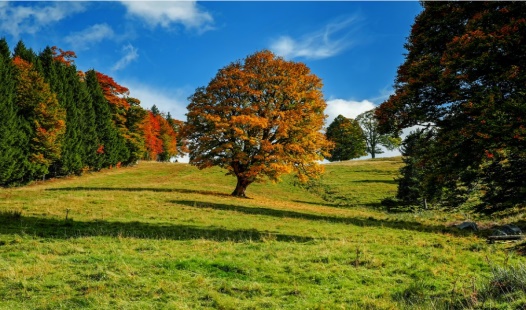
(169, 236)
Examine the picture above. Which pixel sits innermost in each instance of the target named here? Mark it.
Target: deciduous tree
(373, 138)
(348, 138)
(259, 118)
(463, 75)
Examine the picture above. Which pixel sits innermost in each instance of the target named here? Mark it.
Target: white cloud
(94, 34)
(19, 19)
(167, 100)
(347, 108)
(167, 13)
(324, 43)
(131, 55)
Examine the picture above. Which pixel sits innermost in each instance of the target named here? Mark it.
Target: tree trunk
(242, 184)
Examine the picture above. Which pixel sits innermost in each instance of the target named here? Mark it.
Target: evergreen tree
(61, 77)
(24, 53)
(89, 139)
(44, 119)
(112, 147)
(134, 120)
(12, 137)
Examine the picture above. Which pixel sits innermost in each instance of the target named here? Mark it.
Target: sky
(163, 50)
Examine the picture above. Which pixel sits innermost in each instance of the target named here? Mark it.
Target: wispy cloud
(347, 108)
(17, 19)
(167, 13)
(327, 42)
(130, 54)
(91, 35)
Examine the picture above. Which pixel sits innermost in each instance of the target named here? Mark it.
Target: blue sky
(162, 51)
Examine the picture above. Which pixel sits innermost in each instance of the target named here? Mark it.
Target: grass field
(168, 236)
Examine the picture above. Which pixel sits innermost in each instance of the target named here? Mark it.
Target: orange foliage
(152, 133)
(65, 57)
(259, 119)
(40, 106)
(113, 92)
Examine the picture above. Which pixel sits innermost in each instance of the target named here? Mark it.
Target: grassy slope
(169, 236)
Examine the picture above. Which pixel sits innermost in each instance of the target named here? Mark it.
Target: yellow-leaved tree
(259, 118)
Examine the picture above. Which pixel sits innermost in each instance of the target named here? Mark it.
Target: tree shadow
(363, 222)
(376, 181)
(66, 229)
(141, 189)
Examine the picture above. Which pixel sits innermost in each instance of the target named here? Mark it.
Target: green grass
(168, 236)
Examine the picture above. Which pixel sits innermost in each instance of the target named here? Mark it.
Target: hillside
(163, 235)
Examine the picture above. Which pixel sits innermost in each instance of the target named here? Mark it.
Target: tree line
(58, 121)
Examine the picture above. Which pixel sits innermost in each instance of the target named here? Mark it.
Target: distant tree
(373, 138)
(169, 138)
(348, 138)
(155, 110)
(152, 136)
(259, 118)
(134, 124)
(462, 75)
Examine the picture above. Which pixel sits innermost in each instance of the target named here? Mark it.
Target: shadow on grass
(364, 222)
(375, 205)
(376, 181)
(65, 229)
(141, 189)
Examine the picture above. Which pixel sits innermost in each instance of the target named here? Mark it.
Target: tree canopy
(373, 137)
(259, 118)
(59, 121)
(348, 139)
(464, 78)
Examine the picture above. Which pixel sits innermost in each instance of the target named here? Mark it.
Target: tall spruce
(61, 77)
(112, 146)
(13, 140)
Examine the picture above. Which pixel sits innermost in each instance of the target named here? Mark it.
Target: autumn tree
(44, 118)
(462, 76)
(178, 128)
(374, 139)
(348, 139)
(152, 136)
(258, 118)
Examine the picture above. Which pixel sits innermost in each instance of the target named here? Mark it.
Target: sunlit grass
(170, 236)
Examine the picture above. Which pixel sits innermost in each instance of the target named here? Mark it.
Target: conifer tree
(13, 140)
(61, 77)
(112, 147)
(44, 119)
